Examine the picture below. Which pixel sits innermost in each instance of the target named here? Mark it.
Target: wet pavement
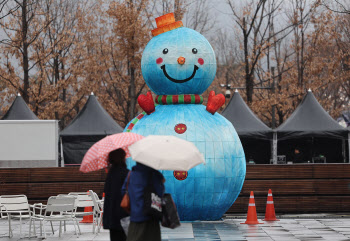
(228, 229)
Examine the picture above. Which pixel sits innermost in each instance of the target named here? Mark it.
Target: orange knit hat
(166, 23)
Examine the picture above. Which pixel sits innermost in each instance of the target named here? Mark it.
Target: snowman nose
(181, 60)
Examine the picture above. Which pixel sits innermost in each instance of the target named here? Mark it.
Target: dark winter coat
(112, 212)
(139, 179)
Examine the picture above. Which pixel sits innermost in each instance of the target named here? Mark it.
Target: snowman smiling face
(180, 61)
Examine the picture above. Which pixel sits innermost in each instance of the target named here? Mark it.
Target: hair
(117, 157)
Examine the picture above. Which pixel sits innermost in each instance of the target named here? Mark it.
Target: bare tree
(300, 16)
(199, 17)
(7, 7)
(122, 65)
(338, 6)
(229, 58)
(161, 7)
(22, 29)
(60, 38)
(254, 22)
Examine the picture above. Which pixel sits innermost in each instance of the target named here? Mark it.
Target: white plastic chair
(76, 204)
(84, 200)
(14, 206)
(98, 212)
(38, 211)
(58, 209)
(2, 216)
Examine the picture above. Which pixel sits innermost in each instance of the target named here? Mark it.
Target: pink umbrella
(96, 157)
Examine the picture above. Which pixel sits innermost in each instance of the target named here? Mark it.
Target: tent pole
(274, 148)
(312, 148)
(62, 157)
(343, 150)
(349, 145)
(271, 151)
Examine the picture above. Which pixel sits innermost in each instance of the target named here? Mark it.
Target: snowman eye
(165, 51)
(194, 50)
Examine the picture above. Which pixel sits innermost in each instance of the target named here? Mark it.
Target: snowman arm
(146, 103)
(215, 102)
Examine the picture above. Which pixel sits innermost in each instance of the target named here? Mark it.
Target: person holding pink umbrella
(111, 152)
(113, 185)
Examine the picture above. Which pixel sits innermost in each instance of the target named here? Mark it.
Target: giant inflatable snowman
(178, 65)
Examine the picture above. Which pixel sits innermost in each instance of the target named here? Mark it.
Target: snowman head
(177, 60)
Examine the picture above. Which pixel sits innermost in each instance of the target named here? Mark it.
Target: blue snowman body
(207, 191)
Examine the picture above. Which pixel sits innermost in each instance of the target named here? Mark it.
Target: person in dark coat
(298, 156)
(112, 211)
(143, 227)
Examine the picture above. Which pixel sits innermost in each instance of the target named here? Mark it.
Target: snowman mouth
(177, 80)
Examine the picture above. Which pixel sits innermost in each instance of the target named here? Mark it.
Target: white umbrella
(166, 153)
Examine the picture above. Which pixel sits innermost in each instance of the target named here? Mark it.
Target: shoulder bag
(125, 204)
(170, 217)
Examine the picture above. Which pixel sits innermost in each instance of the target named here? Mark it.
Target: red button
(180, 175)
(180, 128)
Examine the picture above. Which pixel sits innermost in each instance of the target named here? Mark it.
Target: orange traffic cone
(87, 218)
(270, 214)
(252, 217)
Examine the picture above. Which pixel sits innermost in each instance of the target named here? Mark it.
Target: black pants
(117, 235)
(145, 231)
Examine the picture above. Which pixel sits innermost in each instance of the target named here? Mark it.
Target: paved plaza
(228, 229)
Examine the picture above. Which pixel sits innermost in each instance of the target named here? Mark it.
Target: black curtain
(258, 150)
(310, 147)
(75, 147)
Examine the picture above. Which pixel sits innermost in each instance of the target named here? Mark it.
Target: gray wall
(28, 143)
